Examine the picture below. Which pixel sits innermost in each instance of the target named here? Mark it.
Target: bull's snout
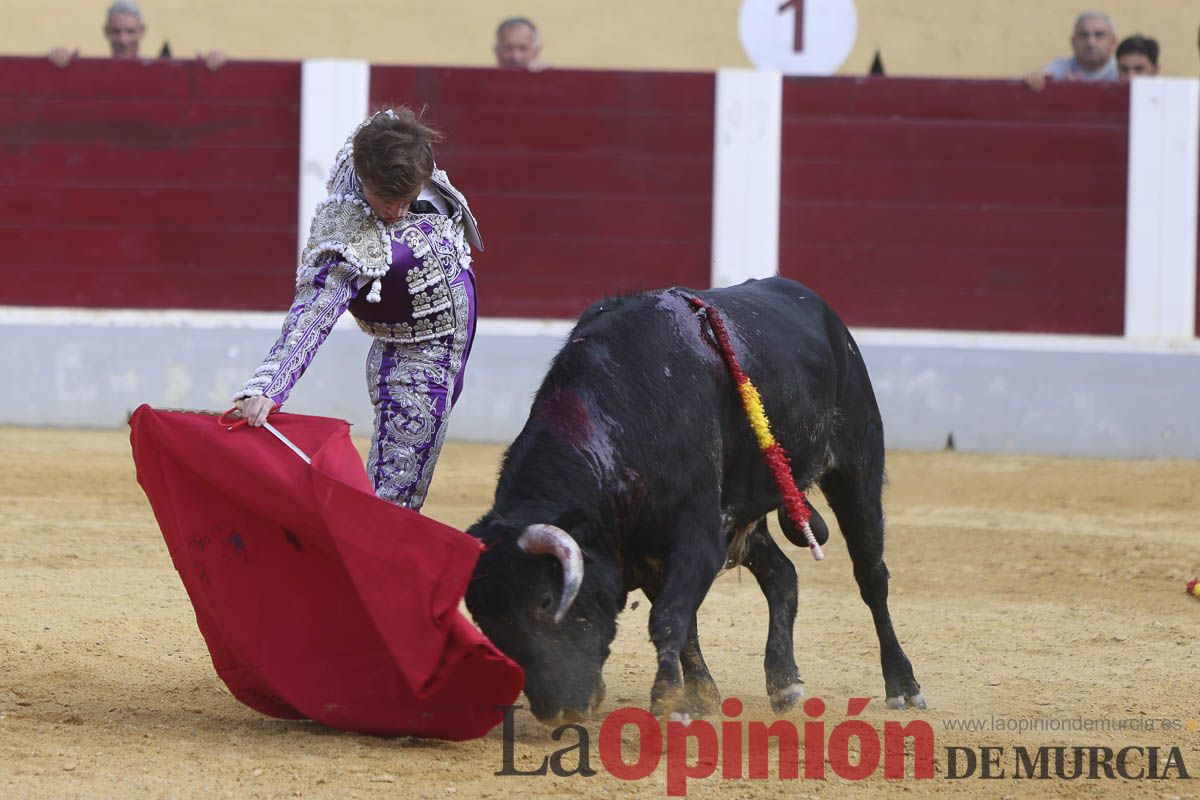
(563, 714)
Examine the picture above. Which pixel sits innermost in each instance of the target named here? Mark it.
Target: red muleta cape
(316, 598)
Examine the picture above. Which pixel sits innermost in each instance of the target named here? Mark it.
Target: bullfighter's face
(515, 597)
(388, 209)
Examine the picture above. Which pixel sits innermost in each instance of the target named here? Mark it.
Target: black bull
(638, 469)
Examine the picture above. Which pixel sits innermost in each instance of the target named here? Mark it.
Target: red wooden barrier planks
(939, 204)
(957, 205)
(586, 184)
(149, 184)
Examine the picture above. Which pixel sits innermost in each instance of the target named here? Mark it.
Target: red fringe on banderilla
(773, 452)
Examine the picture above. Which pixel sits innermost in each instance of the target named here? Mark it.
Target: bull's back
(792, 346)
(643, 374)
(786, 338)
(780, 319)
(660, 358)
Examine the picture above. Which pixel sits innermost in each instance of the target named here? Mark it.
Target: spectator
(1093, 42)
(518, 45)
(1137, 55)
(124, 29)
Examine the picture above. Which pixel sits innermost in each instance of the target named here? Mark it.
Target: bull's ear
(570, 519)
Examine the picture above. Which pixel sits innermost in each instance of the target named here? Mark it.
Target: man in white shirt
(1093, 41)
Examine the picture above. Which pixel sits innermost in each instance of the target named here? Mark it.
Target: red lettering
(649, 744)
(678, 768)
(868, 744)
(814, 740)
(894, 734)
(731, 740)
(787, 744)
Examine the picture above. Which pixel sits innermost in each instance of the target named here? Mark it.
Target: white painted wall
(747, 149)
(1083, 396)
(92, 368)
(334, 97)
(1160, 255)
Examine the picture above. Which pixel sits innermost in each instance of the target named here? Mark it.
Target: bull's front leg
(703, 697)
(688, 572)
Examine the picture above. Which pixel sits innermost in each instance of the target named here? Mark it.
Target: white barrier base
(1079, 396)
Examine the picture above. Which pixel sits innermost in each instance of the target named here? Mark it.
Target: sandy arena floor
(1025, 590)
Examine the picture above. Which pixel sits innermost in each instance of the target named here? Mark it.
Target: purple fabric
(414, 388)
(423, 328)
(316, 308)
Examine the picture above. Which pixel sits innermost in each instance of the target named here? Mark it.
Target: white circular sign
(798, 37)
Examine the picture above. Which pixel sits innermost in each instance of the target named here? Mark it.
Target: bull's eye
(545, 603)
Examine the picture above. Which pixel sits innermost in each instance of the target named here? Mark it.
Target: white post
(1160, 250)
(746, 165)
(334, 95)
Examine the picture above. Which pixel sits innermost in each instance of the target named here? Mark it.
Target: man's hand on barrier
(62, 56)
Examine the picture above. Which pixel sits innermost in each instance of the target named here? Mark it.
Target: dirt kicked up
(1041, 602)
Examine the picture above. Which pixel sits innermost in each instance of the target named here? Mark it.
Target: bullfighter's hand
(255, 409)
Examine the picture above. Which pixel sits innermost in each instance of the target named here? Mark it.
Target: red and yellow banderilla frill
(773, 452)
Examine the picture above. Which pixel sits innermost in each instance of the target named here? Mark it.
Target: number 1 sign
(798, 37)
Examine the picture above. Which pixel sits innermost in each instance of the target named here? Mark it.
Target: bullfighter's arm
(323, 292)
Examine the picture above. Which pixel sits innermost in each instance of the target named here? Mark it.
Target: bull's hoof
(915, 700)
(677, 705)
(703, 697)
(598, 693)
(667, 701)
(785, 699)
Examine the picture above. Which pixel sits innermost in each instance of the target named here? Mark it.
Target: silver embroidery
(401, 472)
(464, 217)
(353, 246)
(345, 224)
(457, 348)
(405, 419)
(440, 261)
(308, 322)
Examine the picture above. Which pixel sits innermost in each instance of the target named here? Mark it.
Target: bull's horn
(549, 540)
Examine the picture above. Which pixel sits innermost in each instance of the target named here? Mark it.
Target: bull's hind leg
(854, 489)
(776, 577)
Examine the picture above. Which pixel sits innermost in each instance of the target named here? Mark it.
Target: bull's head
(551, 606)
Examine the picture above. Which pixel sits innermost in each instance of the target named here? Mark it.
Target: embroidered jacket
(349, 249)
